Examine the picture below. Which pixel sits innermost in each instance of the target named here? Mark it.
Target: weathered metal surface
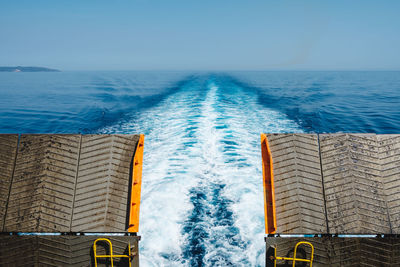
(355, 176)
(338, 252)
(33, 251)
(103, 183)
(355, 195)
(18, 251)
(389, 157)
(81, 248)
(298, 183)
(365, 252)
(285, 248)
(63, 250)
(42, 191)
(64, 183)
(8, 150)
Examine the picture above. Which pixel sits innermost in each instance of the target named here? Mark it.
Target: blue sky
(201, 34)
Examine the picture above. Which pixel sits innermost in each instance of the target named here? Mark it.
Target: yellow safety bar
(294, 259)
(111, 255)
(136, 187)
(268, 183)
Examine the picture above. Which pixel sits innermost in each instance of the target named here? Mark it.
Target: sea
(202, 194)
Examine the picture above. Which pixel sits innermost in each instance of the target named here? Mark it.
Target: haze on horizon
(201, 35)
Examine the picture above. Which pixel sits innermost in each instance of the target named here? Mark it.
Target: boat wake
(202, 194)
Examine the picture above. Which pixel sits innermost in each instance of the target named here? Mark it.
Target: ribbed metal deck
(8, 150)
(335, 251)
(64, 183)
(336, 183)
(63, 250)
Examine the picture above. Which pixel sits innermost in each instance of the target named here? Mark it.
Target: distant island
(26, 69)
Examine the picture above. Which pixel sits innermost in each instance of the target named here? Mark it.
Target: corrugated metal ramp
(336, 183)
(337, 251)
(64, 183)
(63, 250)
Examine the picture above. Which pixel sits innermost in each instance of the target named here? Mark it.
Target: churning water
(202, 190)
(202, 200)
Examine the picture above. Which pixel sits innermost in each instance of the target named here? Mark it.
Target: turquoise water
(202, 200)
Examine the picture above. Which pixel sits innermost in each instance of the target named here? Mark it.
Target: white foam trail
(165, 182)
(249, 119)
(214, 171)
(185, 148)
(244, 120)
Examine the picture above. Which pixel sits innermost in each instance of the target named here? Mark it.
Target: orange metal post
(268, 182)
(136, 187)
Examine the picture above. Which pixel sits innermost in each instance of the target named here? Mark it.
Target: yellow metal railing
(294, 259)
(111, 256)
